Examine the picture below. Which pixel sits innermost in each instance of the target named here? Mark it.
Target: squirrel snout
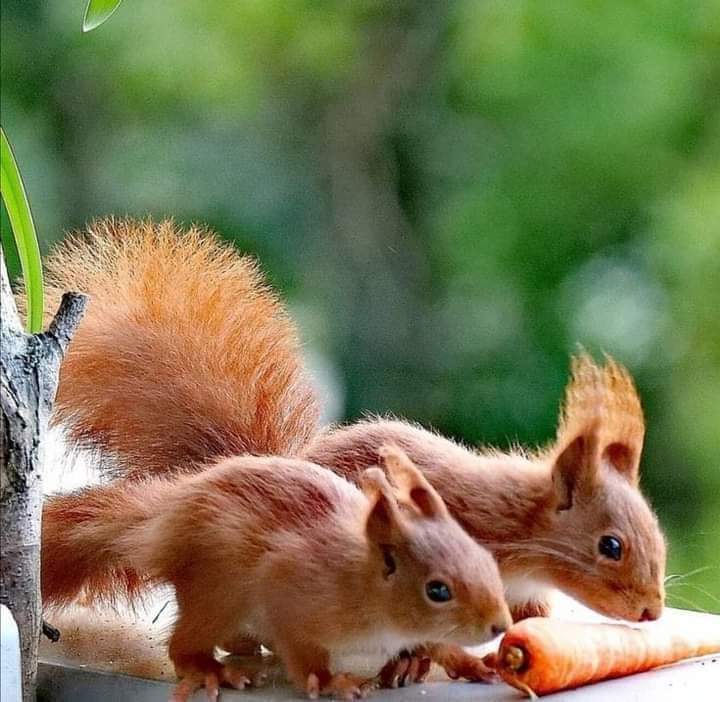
(497, 629)
(654, 610)
(501, 624)
(650, 614)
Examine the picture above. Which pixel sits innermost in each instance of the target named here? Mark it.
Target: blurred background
(451, 195)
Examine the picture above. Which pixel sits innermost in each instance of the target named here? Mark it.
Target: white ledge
(105, 655)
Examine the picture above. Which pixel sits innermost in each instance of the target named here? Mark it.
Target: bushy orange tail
(184, 354)
(83, 556)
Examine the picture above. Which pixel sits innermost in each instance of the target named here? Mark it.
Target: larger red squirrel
(185, 355)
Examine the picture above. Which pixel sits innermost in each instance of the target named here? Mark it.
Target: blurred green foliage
(452, 195)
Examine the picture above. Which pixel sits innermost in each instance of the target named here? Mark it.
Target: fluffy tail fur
(83, 557)
(184, 354)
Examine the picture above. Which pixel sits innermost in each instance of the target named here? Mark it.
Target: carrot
(540, 656)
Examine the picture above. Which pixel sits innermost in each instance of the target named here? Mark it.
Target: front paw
(458, 663)
(341, 686)
(406, 668)
(472, 668)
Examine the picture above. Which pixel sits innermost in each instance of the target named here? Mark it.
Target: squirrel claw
(211, 680)
(341, 686)
(212, 686)
(186, 687)
(312, 686)
(458, 663)
(402, 666)
(417, 670)
(237, 679)
(240, 679)
(407, 668)
(472, 669)
(259, 679)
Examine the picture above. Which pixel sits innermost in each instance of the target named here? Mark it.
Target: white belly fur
(519, 590)
(372, 651)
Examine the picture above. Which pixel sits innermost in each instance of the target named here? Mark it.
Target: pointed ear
(575, 467)
(414, 489)
(383, 521)
(625, 459)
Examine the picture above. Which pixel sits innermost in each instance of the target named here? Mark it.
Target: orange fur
(78, 558)
(184, 353)
(266, 548)
(542, 515)
(143, 384)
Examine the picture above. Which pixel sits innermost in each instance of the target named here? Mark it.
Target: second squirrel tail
(84, 554)
(184, 354)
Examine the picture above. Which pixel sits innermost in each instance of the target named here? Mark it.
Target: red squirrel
(282, 552)
(185, 355)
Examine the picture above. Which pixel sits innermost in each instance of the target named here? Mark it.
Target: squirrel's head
(604, 544)
(438, 582)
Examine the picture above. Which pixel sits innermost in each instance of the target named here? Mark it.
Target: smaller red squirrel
(285, 553)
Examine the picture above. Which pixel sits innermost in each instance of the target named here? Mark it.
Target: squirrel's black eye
(610, 547)
(438, 591)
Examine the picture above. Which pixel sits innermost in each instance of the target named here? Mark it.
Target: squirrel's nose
(502, 623)
(650, 614)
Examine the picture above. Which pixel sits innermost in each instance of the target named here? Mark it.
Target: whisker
(699, 589)
(687, 601)
(683, 576)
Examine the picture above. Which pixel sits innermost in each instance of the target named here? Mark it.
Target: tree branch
(29, 366)
(9, 319)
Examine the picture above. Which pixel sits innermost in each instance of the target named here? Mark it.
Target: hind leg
(192, 646)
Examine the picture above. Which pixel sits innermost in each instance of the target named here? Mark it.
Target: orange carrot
(540, 656)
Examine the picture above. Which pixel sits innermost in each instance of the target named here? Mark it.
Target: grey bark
(29, 366)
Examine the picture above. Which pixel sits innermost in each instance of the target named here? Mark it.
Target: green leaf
(97, 11)
(21, 222)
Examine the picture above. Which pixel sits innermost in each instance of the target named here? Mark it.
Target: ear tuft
(605, 396)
